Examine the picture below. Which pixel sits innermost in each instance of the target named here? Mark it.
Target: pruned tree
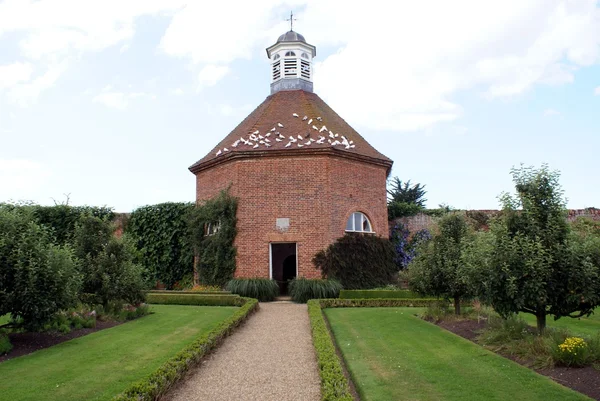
(437, 269)
(535, 263)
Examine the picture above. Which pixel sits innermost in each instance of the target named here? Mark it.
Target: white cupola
(291, 63)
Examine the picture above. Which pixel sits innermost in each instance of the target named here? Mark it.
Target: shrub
(109, 272)
(158, 382)
(358, 261)
(5, 345)
(130, 312)
(37, 278)
(302, 289)
(195, 299)
(573, 351)
(370, 294)
(72, 319)
(263, 289)
(501, 331)
(376, 303)
(334, 385)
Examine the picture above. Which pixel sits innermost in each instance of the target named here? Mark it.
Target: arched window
(304, 55)
(358, 223)
(276, 57)
(290, 54)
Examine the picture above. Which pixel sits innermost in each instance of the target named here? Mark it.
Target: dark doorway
(283, 264)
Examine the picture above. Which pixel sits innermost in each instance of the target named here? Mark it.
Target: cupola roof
(291, 36)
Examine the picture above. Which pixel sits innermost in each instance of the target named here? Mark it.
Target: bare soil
(26, 343)
(585, 380)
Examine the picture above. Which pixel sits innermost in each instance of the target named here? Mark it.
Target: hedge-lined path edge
(271, 357)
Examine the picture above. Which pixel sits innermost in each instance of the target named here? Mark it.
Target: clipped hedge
(377, 303)
(195, 299)
(303, 289)
(381, 294)
(157, 383)
(334, 385)
(263, 289)
(189, 292)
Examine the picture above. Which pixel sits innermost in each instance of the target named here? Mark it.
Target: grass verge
(104, 364)
(391, 354)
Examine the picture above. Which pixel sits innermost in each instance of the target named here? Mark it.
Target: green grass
(583, 326)
(4, 319)
(103, 364)
(393, 355)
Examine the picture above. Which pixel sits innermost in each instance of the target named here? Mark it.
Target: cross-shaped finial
(291, 19)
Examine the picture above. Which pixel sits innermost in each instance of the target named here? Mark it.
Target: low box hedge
(189, 292)
(195, 299)
(377, 303)
(334, 385)
(157, 384)
(383, 294)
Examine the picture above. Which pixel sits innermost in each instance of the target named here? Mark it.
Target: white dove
(305, 117)
(319, 118)
(273, 129)
(307, 143)
(299, 136)
(256, 132)
(255, 146)
(300, 145)
(288, 145)
(225, 150)
(323, 128)
(278, 139)
(315, 128)
(280, 125)
(295, 115)
(309, 121)
(261, 137)
(331, 134)
(219, 152)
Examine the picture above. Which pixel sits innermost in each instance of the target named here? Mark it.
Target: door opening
(283, 264)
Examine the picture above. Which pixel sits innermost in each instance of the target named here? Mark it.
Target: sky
(109, 102)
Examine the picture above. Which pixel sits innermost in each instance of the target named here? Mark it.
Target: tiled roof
(292, 122)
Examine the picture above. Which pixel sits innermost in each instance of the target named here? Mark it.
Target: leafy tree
(106, 263)
(404, 199)
(358, 261)
(437, 269)
(535, 263)
(37, 277)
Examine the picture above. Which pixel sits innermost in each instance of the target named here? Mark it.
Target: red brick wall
(317, 194)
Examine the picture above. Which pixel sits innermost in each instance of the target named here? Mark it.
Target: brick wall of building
(317, 193)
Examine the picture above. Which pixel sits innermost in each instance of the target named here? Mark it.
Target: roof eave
(200, 166)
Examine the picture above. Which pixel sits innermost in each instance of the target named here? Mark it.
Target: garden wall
(422, 220)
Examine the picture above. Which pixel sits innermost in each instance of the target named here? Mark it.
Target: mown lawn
(585, 326)
(102, 364)
(393, 355)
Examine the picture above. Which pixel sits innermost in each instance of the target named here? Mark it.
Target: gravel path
(271, 357)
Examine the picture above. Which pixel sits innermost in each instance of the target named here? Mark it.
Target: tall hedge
(216, 252)
(160, 233)
(62, 219)
(358, 261)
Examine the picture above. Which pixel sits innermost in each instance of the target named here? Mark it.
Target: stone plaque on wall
(282, 223)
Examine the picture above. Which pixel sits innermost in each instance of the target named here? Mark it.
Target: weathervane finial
(291, 19)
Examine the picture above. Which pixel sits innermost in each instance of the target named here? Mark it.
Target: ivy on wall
(213, 230)
(160, 233)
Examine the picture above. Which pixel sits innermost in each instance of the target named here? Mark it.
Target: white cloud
(551, 112)
(12, 74)
(211, 74)
(597, 91)
(53, 32)
(19, 178)
(25, 94)
(177, 92)
(119, 100)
